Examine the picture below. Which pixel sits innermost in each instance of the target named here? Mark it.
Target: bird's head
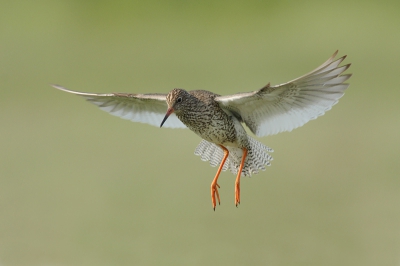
(177, 101)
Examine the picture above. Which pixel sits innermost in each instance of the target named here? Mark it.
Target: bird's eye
(179, 100)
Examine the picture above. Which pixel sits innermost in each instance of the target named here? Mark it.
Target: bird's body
(219, 120)
(203, 115)
(208, 120)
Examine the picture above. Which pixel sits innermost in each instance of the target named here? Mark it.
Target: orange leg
(237, 183)
(214, 184)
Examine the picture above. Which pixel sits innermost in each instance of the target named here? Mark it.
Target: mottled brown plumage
(219, 120)
(202, 114)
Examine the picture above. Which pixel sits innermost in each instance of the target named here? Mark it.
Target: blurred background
(81, 187)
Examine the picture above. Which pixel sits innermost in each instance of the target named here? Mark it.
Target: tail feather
(257, 156)
(210, 152)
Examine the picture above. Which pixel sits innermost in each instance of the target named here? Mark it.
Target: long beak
(169, 112)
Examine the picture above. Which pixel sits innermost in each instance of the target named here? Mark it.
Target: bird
(219, 120)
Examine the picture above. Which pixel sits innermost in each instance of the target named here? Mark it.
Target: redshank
(219, 120)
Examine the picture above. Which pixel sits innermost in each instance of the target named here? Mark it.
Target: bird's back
(204, 96)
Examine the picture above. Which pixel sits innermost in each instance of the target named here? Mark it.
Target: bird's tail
(256, 160)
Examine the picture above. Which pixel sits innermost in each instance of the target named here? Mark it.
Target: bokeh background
(81, 187)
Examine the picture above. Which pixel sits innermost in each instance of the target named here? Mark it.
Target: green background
(81, 187)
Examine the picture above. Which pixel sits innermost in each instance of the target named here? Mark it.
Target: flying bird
(219, 120)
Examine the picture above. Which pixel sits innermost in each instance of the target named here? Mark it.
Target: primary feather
(144, 108)
(284, 107)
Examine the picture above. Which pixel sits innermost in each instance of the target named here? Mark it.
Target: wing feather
(144, 108)
(274, 109)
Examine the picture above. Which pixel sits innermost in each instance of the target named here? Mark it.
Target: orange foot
(237, 193)
(214, 191)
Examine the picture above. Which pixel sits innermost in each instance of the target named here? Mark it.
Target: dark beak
(169, 112)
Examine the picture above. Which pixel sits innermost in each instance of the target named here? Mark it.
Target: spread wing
(284, 107)
(144, 108)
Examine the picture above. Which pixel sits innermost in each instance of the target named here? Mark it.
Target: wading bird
(219, 120)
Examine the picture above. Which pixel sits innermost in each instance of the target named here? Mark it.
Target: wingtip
(61, 88)
(333, 56)
(336, 53)
(54, 85)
